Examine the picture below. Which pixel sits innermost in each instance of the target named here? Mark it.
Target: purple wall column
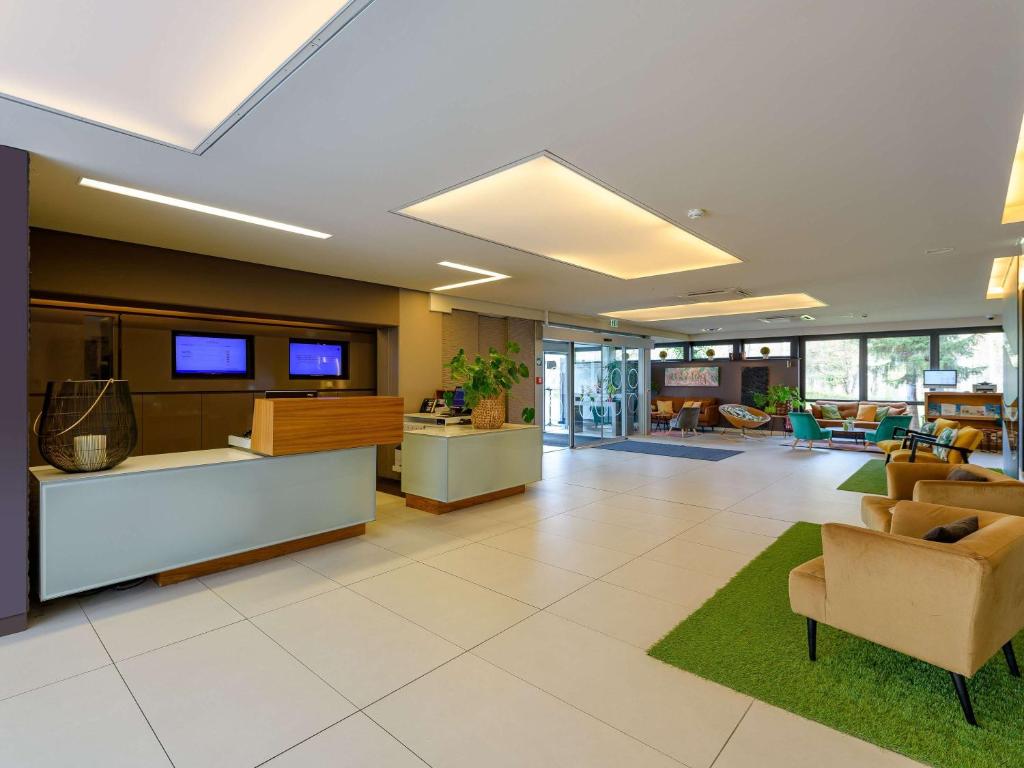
(13, 390)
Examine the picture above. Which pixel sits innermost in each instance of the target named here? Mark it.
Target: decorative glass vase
(87, 426)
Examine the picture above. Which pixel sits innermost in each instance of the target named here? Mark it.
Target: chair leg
(1011, 659)
(960, 684)
(812, 639)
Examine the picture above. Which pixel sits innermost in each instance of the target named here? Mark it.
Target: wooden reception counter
(180, 515)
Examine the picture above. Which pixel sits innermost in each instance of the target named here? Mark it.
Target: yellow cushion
(941, 424)
(923, 457)
(966, 437)
(691, 404)
(665, 406)
(888, 446)
(866, 412)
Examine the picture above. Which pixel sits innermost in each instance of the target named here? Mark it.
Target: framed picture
(692, 376)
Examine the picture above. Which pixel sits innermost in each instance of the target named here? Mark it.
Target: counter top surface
(152, 463)
(466, 430)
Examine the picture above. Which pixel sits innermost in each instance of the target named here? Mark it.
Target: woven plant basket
(489, 413)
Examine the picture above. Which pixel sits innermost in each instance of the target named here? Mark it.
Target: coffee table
(855, 435)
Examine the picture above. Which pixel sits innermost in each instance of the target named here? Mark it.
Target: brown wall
(730, 377)
(83, 267)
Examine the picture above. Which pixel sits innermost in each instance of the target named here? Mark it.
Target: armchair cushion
(953, 532)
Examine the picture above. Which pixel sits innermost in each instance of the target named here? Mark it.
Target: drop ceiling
(830, 150)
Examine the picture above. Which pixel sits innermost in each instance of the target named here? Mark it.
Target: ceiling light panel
(748, 306)
(1013, 211)
(1002, 280)
(153, 197)
(542, 206)
(171, 71)
(489, 276)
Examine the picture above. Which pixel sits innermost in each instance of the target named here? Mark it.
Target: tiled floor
(511, 634)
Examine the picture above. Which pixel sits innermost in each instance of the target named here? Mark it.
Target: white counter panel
(154, 513)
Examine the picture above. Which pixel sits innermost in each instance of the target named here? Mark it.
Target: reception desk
(179, 515)
(449, 468)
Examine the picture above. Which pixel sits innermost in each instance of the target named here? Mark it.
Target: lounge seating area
(865, 414)
(664, 409)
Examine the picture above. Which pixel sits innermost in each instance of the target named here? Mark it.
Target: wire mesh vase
(87, 426)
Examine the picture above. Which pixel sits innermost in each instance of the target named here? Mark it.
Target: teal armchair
(806, 428)
(886, 428)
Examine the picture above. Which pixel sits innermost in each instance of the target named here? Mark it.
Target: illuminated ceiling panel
(171, 71)
(542, 206)
(754, 304)
(1014, 208)
(1002, 281)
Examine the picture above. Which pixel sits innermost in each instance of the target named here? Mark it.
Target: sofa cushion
(665, 407)
(953, 532)
(941, 424)
(964, 474)
(815, 410)
(830, 411)
(881, 412)
(946, 437)
(866, 411)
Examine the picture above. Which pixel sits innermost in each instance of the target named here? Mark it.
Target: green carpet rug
(870, 478)
(746, 638)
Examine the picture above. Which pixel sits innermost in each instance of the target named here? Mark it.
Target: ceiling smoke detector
(695, 213)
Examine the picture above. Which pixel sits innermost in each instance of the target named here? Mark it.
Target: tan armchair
(927, 482)
(951, 605)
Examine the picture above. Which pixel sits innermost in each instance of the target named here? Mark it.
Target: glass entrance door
(554, 419)
(598, 380)
(632, 393)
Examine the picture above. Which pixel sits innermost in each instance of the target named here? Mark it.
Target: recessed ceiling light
(720, 308)
(543, 206)
(1002, 280)
(490, 276)
(200, 208)
(709, 330)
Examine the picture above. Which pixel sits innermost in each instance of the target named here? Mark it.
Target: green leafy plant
(779, 396)
(528, 415)
(487, 377)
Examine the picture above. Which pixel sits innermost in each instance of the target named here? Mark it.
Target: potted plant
(663, 354)
(485, 381)
(779, 398)
(710, 354)
(766, 352)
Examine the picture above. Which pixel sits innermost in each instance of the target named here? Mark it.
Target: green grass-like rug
(747, 638)
(869, 478)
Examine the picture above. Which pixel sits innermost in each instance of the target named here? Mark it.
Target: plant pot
(489, 413)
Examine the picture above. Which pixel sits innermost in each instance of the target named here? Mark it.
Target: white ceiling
(831, 146)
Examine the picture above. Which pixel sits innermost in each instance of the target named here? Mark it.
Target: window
(752, 349)
(896, 367)
(977, 358)
(669, 353)
(832, 369)
(700, 351)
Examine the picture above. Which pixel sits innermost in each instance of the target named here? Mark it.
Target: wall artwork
(692, 376)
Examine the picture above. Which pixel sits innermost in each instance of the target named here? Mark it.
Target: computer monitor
(317, 359)
(200, 355)
(940, 378)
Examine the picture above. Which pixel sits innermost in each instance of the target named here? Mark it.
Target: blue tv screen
(206, 354)
(312, 359)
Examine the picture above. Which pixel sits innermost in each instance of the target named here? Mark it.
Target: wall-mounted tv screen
(940, 378)
(317, 359)
(195, 354)
(692, 376)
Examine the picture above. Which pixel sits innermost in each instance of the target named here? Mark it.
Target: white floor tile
(617, 479)
(677, 713)
(659, 525)
(559, 551)
(58, 644)
(261, 587)
(632, 617)
(457, 610)
(699, 557)
(470, 714)
(749, 523)
(229, 698)
(770, 737)
(522, 578)
(681, 586)
(147, 616)
(673, 509)
(731, 539)
(628, 540)
(416, 542)
(355, 742)
(361, 649)
(90, 721)
(349, 561)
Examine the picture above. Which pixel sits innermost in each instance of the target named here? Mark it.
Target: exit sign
(615, 322)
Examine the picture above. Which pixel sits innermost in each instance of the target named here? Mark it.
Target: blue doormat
(679, 451)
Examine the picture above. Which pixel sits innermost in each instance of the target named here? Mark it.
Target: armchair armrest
(916, 518)
(902, 477)
(917, 439)
(1006, 498)
(917, 597)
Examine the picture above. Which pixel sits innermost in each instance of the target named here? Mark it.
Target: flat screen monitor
(940, 378)
(316, 359)
(199, 355)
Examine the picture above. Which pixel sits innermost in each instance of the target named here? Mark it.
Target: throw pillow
(665, 407)
(866, 412)
(960, 473)
(941, 424)
(881, 412)
(831, 412)
(928, 427)
(946, 437)
(952, 532)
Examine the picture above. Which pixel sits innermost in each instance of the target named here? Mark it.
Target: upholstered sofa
(708, 407)
(992, 492)
(848, 410)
